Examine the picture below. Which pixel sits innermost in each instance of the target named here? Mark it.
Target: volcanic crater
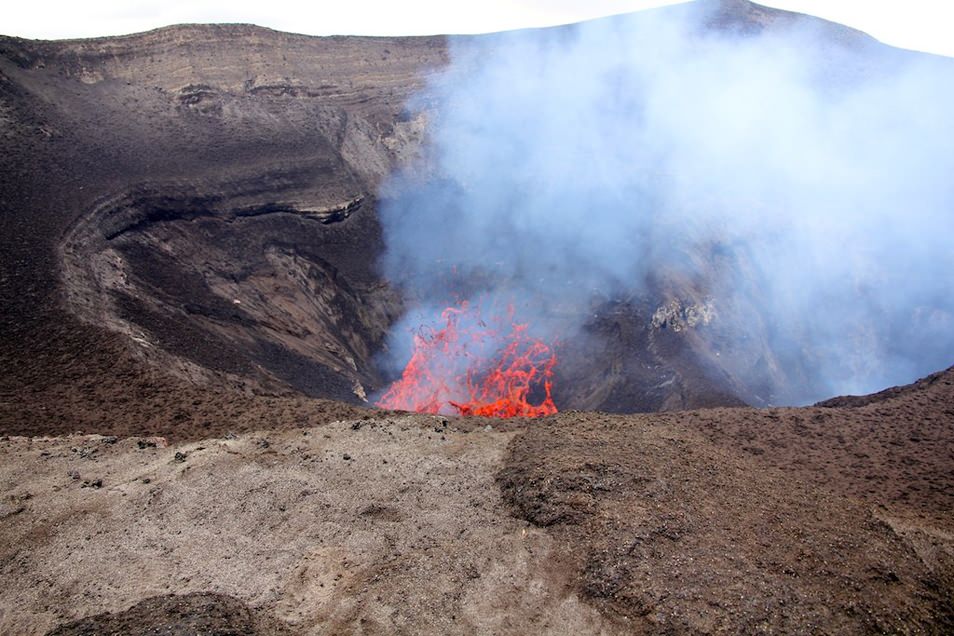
(193, 334)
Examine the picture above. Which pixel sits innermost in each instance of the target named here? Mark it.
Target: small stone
(346, 457)
(180, 456)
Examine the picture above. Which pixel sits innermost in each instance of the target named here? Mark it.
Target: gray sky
(926, 25)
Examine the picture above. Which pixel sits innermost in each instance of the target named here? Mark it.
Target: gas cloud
(570, 164)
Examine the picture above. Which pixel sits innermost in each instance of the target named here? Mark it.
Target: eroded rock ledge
(264, 279)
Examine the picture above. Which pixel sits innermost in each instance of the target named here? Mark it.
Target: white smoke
(575, 161)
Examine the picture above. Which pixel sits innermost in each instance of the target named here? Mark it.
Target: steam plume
(572, 162)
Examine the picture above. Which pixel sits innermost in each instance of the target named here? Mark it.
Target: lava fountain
(468, 366)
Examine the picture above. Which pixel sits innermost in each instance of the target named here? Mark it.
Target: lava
(471, 367)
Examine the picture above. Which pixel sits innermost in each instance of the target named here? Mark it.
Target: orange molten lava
(458, 368)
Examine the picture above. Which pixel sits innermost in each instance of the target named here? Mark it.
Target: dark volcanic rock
(191, 211)
(216, 203)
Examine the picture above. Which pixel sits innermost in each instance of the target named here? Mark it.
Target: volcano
(322, 335)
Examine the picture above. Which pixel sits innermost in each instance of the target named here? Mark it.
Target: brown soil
(378, 526)
(742, 520)
(712, 521)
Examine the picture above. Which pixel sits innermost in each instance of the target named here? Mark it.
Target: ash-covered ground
(834, 519)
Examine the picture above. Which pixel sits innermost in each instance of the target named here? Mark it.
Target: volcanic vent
(458, 368)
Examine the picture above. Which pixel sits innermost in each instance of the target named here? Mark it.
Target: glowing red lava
(461, 367)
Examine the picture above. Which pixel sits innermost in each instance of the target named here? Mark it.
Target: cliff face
(208, 193)
(208, 90)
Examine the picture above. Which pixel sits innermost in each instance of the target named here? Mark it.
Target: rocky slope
(194, 184)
